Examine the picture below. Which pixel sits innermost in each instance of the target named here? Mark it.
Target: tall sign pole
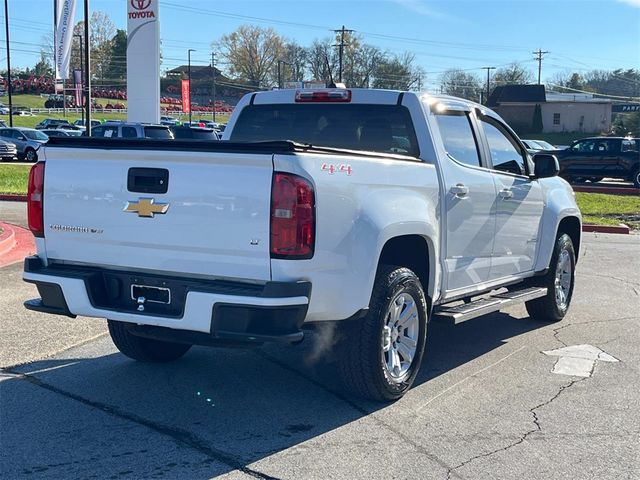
(213, 74)
(143, 61)
(488, 69)
(6, 25)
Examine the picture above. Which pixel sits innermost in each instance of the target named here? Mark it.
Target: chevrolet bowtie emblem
(146, 207)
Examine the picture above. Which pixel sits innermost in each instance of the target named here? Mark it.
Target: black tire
(30, 155)
(361, 360)
(144, 349)
(551, 308)
(636, 179)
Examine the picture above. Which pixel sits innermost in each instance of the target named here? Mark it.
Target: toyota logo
(140, 4)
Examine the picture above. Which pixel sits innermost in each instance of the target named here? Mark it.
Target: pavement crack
(179, 436)
(523, 437)
(356, 407)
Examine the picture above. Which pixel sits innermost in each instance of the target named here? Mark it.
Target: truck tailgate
(216, 220)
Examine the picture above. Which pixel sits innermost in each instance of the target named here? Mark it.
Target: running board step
(485, 305)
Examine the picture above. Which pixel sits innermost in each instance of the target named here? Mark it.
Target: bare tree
(319, 54)
(252, 53)
(398, 73)
(296, 59)
(513, 74)
(462, 84)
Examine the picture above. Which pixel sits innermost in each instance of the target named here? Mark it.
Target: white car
(371, 211)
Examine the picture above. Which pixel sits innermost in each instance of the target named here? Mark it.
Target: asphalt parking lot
(486, 404)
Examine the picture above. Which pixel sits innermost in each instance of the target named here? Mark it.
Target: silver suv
(131, 130)
(27, 141)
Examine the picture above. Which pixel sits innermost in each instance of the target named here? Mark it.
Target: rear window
(377, 128)
(157, 132)
(188, 133)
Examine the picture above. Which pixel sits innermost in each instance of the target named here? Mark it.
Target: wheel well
(571, 226)
(410, 251)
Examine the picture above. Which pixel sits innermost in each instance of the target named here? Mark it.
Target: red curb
(24, 245)
(7, 238)
(7, 197)
(622, 228)
(607, 190)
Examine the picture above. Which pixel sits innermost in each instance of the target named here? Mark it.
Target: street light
(189, 78)
(280, 62)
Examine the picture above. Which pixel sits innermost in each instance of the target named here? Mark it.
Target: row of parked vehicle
(23, 143)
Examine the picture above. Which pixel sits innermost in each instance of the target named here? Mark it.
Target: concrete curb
(622, 228)
(23, 245)
(9, 197)
(607, 190)
(7, 238)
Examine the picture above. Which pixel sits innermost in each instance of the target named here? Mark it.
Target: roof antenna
(332, 84)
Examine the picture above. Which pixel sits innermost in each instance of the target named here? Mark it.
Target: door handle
(459, 190)
(506, 193)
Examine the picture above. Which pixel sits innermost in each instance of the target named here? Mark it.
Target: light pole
(81, 70)
(488, 69)
(189, 78)
(280, 62)
(6, 25)
(87, 64)
(213, 74)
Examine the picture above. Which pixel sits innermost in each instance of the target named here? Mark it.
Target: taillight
(35, 200)
(337, 95)
(292, 217)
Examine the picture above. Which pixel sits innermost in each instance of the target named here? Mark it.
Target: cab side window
(506, 154)
(458, 137)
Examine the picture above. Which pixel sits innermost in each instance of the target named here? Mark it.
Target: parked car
(53, 123)
(194, 133)
(544, 145)
(168, 121)
(8, 151)
(4, 110)
(394, 208)
(27, 141)
(598, 157)
(61, 132)
(532, 146)
(131, 130)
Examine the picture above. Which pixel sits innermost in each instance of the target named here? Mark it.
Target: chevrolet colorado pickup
(599, 157)
(372, 211)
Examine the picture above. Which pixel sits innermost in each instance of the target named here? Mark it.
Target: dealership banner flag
(186, 98)
(63, 35)
(77, 80)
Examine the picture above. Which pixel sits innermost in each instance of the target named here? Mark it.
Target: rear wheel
(559, 282)
(636, 179)
(144, 349)
(380, 355)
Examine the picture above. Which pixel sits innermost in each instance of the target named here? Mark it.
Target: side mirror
(545, 165)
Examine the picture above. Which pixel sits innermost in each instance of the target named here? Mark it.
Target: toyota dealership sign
(143, 61)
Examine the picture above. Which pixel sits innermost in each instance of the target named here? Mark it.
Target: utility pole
(281, 62)
(6, 25)
(539, 55)
(488, 69)
(341, 46)
(87, 73)
(213, 74)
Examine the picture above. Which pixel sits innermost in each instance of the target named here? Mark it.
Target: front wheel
(559, 281)
(30, 155)
(144, 349)
(380, 355)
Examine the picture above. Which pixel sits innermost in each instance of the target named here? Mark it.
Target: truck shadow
(214, 411)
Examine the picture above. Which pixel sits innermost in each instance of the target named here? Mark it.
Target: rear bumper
(237, 311)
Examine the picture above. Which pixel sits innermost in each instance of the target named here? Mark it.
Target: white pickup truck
(377, 210)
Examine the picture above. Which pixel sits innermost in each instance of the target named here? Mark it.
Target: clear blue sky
(580, 34)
